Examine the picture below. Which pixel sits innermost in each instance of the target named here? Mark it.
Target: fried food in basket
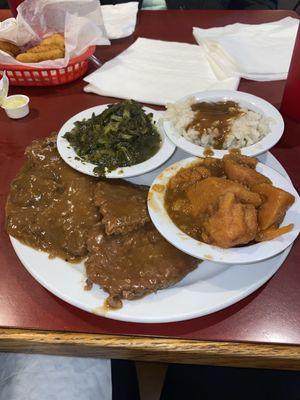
(9, 48)
(42, 49)
(55, 40)
(42, 56)
(51, 48)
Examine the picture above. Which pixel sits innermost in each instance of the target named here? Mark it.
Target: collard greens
(121, 136)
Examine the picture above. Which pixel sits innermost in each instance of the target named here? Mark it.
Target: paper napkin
(158, 72)
(259, 52)
(120, 19)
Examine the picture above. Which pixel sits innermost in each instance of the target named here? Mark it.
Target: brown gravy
(208, 152)
(216, 117)
(50, 205)
(134, 264)
(53, 208)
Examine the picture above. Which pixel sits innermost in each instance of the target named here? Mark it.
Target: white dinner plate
(245, 100)
(69, 155)
(235, 255)
(209, 288)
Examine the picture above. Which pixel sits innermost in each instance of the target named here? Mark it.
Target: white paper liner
(80, 21)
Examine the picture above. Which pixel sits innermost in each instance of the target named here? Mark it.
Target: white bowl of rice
(196, 125)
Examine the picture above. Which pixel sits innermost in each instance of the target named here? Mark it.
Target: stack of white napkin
(259, 52)
(120, 19)
(157, 72)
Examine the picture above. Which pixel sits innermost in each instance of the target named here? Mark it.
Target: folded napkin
(259, 52)
(157, 72)
(120, 19)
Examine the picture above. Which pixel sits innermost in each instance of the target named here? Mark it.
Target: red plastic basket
(20, 75)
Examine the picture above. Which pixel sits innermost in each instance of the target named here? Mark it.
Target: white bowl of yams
(243, 213)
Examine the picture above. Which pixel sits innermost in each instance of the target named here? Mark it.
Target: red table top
(270, 315)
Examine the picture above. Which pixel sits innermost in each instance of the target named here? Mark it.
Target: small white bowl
(246, 100)
(19, 111)
(69, 155)
(234, 255)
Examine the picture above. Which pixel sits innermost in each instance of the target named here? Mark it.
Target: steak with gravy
(136, 263)
(123, 206)
(51, 206)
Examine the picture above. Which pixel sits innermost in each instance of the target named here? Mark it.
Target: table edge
(142, 348)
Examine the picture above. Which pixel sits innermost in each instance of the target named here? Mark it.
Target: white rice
(247, 129)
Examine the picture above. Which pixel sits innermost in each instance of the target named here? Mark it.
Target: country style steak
(123, 206)
(53, 208)
(131, 265)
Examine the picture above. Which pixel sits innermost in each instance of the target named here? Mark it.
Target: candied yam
(272, 233)
(232, 224)
(187, 176)
(276, 202)
(239, 158)
(215, 165)
(206, 193)
(244, 175)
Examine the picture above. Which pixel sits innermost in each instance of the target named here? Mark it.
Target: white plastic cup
(17, 112)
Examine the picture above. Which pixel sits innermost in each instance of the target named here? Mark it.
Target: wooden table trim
(234, 354)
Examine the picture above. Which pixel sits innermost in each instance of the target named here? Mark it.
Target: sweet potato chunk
(232, 224)
(185, 177)
(243, 174)
(272, 233)
(206, 193)
(246, 161)
(275, 205)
